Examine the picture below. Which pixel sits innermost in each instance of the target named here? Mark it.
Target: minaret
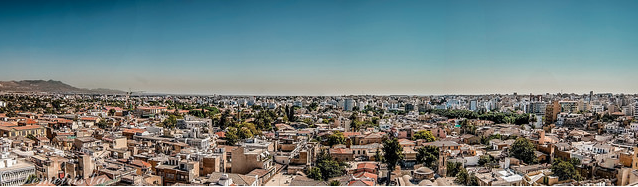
(442, 162)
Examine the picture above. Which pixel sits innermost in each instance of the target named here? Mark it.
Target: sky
(324, 47)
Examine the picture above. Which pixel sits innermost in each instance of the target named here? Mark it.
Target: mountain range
(50, 86)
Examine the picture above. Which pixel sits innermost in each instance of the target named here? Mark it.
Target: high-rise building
(473, 105)
(551, 112)
(537, 108)
(348, 104)
(568, 106)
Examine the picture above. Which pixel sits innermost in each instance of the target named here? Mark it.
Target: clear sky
(324, 47)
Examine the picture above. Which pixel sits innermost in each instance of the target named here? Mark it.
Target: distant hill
(50, 86)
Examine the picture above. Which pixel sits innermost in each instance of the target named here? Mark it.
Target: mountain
(50, 86)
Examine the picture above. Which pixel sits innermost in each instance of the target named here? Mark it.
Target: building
(551, 112)
(190, 122)
(569, 106)
(348, 104)
(473, 105)
(12, 171)
(11, 131)
(174, 170)
(537, 108)
(48, 167)
(244, 160)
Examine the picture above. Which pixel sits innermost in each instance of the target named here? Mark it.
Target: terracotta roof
(368, 165)
(141, 163)
(19, 128)
(8, 124)
(133, 131)
(258, 172)
(28, 121)
(340, 151)
(221, 134)
(88, 118)
(366, 174)
(361, 183)
(348, 134)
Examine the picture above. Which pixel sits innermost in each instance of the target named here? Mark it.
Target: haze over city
(324, 47)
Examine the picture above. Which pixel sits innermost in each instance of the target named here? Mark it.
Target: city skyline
(324, 47)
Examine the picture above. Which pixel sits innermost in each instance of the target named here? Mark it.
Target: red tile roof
(340, 151)
(366, 174)
(348, 134)
(221, 134)
(133, 131)
(367, 165)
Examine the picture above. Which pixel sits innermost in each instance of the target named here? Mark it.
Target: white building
(12, 171)
(473, 105)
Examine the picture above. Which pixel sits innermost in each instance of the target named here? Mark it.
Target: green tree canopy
(428, 156)
(453, 168)
(466, 179)
(523, 150)
(232, 136)
(487, 161)
(328, 166)
(315, 173)
(335, 183)
(425, 135)
(335, 138)
(565, 170)
(392, 154)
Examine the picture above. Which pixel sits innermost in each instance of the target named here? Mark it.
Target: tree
(102, 124)
(428, 155)
(245, 133)
(487, 161)
(336, 138)
(466, 179)
(392, 153)
(313, 106)
(170, 121)
(565, 170)
(523, 150)
(377, 156)
(425, 135)
(356, 125)
(328, 166)
(290, 113)
(335, 183)
(232, 136)
(453, 168)
(315, 173)
(462, 177)
(355, 108)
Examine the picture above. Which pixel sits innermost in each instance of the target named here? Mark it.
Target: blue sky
(326, 47)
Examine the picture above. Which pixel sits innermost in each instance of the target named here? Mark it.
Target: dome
(424, 170)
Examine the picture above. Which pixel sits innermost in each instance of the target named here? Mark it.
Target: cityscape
(318, 93)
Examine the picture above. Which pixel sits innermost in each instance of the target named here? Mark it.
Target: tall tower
(442, 170)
